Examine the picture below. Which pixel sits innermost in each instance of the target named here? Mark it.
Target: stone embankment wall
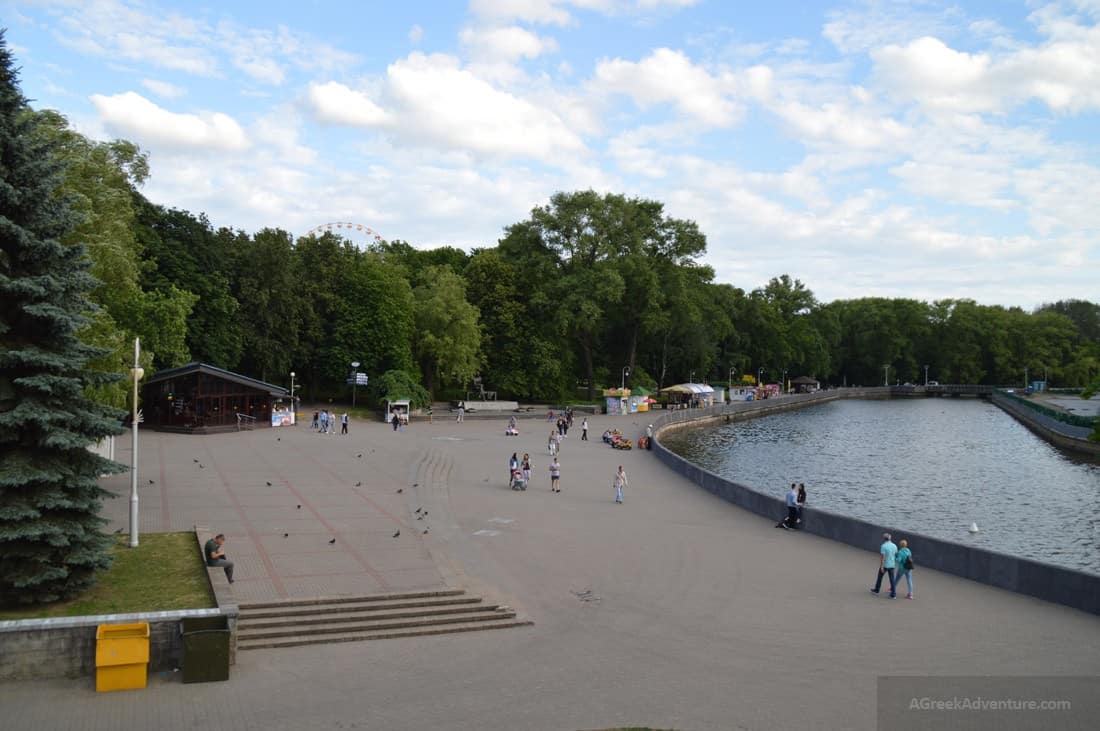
(1066, 436)
(1075, 589)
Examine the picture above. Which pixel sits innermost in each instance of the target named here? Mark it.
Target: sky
(918, 149)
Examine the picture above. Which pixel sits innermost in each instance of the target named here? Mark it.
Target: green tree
(271, 302)
(50, 540)
(447, 343)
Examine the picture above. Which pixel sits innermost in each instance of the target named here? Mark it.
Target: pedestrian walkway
(673, 610)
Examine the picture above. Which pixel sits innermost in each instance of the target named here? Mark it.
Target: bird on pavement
(332, 541)
(195, 461)
(286, 535)
(299, 507)
(421, 518)
(400, 490)
(269, 484)
(202, 467)
(359, 456)
(151, 482)
(395, 535)
(417, 511)
(426, 530)
(358, 484)
(416, 484)
(278, 439)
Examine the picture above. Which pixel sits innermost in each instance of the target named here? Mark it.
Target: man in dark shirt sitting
(215, 556)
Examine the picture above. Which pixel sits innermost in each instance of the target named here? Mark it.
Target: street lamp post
(732, 371)
(137, 372)
(626, 372)
(886, 374)
(293, 406)
(354, 381)
(925, 374)
(783, 383)
(691, 378)
(760, 376)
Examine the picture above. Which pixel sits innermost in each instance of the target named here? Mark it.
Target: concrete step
(340, 615)
(247, 632)
(358, 636)
(249, 613)
(285, 603)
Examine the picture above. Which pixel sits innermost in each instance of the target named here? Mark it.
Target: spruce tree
(51, 544)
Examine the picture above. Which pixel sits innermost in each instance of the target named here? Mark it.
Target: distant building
(197, 397)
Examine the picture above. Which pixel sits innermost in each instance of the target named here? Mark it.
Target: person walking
(461, 412)
(513, 466)
(395, 420)
(584, 429)
(649, 437)
(555, 476)
(905, 567)
(887, 562)
(525, 466)
(316, 420)
(324, 420)
(344, 424)
(619, 483)
(791, 521)
(552, 444)
(801, 500)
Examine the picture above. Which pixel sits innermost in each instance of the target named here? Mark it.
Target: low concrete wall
(1075, 589)
(64, 647)
(1060, 434)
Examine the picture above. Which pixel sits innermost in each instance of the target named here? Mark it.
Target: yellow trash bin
(121, 656)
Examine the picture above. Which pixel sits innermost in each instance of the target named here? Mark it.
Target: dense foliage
(50, 540)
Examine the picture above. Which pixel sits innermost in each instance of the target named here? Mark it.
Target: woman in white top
(619, 483)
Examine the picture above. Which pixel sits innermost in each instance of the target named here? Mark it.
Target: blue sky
(870, 148)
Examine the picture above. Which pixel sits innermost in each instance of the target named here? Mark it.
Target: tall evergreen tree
(50, 540)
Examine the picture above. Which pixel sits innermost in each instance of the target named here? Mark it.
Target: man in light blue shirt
(791, 521)
(887, 562)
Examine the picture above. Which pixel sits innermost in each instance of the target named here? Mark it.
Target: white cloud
(669, 76)
(416, 34)
(334, 103)
(133, 116)
(506, 43)
(164, 89)
(530, 11)
(433, 101)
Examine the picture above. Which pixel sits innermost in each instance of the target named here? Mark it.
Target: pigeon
(332, 542)
(202, 467)
(286, 535)
(417, 511)
(278, 439)
(299, 507)
(421, 518)
(269, 484)
(416, 484)
(151, 482)
(359, 456)
(424, 514)
(195, 461)
(395, 535)
(400, 490)
(426, 530)
(358, 484)
(118, 531)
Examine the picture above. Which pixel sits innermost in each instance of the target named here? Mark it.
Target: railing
(245, 422)
(1072, 419)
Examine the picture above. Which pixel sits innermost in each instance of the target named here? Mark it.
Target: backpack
(909, 563)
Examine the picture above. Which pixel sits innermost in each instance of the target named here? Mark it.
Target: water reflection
(931, 465)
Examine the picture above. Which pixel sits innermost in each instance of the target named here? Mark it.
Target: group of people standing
(325, 422)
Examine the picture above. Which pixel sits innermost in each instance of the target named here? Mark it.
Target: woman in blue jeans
(905, 556)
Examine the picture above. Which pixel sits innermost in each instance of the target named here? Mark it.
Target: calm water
(930, 465)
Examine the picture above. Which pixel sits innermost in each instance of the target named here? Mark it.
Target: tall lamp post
(293, 406)
(691, 377)
(925, 374)
(730, 389)
(886, 374)
(783, 383)
(760, 376)
(626, 372)
(137, 372)
(354, 381)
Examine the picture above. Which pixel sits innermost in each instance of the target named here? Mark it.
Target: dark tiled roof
(196, 367)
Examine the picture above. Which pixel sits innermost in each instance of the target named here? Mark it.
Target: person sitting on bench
(215, 556)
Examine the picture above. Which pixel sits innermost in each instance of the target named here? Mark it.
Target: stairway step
(339, 615)
(249, 613)
(247, 633)
(284, 603)
(358, 636)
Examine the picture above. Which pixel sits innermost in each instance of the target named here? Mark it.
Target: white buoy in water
(973, 528)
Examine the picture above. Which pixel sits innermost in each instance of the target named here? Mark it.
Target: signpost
(356, 379)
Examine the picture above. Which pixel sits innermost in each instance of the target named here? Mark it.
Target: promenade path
(699, 615)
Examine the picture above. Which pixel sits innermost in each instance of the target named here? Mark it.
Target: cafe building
(199, 398)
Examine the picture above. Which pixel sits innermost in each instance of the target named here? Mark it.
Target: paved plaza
(673, 610)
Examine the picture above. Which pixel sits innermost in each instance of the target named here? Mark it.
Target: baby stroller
(517, 482)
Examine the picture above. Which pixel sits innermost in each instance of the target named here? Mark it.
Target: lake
(931, 465)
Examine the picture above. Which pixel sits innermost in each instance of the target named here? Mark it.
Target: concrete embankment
(1060, 434)
(1071, 588)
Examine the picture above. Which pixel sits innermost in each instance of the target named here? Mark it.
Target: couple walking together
(891, 559)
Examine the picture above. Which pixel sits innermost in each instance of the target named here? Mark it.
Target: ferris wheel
(354, 231)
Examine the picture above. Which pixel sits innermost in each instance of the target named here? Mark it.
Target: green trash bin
(205, 649)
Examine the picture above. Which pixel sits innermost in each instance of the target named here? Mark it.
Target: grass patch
(163, 573)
